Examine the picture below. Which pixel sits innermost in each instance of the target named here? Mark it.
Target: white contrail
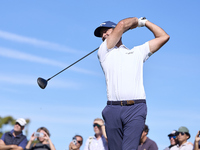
(35, 42)
(21, 79)
(10, 53)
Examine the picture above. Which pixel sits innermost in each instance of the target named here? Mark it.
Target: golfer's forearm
(156, 30)
(129, 23)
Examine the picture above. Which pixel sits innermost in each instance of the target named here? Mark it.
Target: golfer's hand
(141, 22)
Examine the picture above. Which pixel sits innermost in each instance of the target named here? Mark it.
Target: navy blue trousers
(124, 125)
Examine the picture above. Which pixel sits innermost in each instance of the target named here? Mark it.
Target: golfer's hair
(45, 129)
(99, 119)
(146, 128)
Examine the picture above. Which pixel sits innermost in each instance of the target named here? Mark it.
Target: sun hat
(185, 130)
(21, 121)
(106, 24)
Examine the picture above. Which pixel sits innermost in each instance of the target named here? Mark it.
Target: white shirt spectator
(93, 144)
(185, 146)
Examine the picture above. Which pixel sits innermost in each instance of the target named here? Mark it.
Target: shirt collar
(17, 135)
(182, 144)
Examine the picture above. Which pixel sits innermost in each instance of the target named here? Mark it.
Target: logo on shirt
(129, 52)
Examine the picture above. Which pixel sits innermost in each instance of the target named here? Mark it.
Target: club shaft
(73, 63)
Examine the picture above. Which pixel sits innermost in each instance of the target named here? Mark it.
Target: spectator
(44, 141)
(145, 142)
(14, 140)
(182, 136)
(76, 143)
(173, 139)
(197, 141)
(99, 140)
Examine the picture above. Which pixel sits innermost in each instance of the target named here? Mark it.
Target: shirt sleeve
(3, 137)
(153, 146)
(86, 145)
(23, 143)
(144, 50)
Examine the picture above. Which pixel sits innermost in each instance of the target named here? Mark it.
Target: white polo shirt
(185, 146)
(93, 144)
(123, 69)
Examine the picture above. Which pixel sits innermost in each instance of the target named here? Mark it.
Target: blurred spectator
(173, 139)
(44, 141)
(197, 141)
(99, 140)
(76, 143)
(182, 136)
(14, 139)
(145, 142)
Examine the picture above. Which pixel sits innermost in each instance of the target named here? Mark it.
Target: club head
(42, 82)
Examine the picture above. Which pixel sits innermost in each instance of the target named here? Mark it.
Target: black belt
(126, 103)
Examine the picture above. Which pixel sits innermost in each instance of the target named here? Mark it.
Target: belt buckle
(130, 102)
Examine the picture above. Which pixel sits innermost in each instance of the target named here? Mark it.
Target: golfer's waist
(126, 102)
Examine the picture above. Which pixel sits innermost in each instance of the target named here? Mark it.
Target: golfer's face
(105, 32)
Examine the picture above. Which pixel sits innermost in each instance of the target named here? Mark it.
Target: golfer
(126, 109)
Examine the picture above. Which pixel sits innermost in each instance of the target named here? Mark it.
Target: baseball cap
(172, 133)
(21, 121)
(185, 130)
(106, 24)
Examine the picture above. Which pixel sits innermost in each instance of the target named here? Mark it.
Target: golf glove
(141, 21)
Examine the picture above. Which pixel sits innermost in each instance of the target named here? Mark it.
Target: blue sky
(40, 38)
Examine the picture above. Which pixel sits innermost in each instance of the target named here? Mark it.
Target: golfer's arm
(123, 26)
(161, 37)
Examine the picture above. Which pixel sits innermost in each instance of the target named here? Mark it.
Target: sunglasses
(172, 137)
(79, 142)
(96, 125)
(182, 133)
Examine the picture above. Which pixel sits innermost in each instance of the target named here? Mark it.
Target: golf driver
(43, 83)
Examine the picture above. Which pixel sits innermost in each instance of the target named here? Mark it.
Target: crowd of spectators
(40, 140)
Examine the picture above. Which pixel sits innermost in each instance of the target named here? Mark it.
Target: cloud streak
(10, 53)
(35, 42)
